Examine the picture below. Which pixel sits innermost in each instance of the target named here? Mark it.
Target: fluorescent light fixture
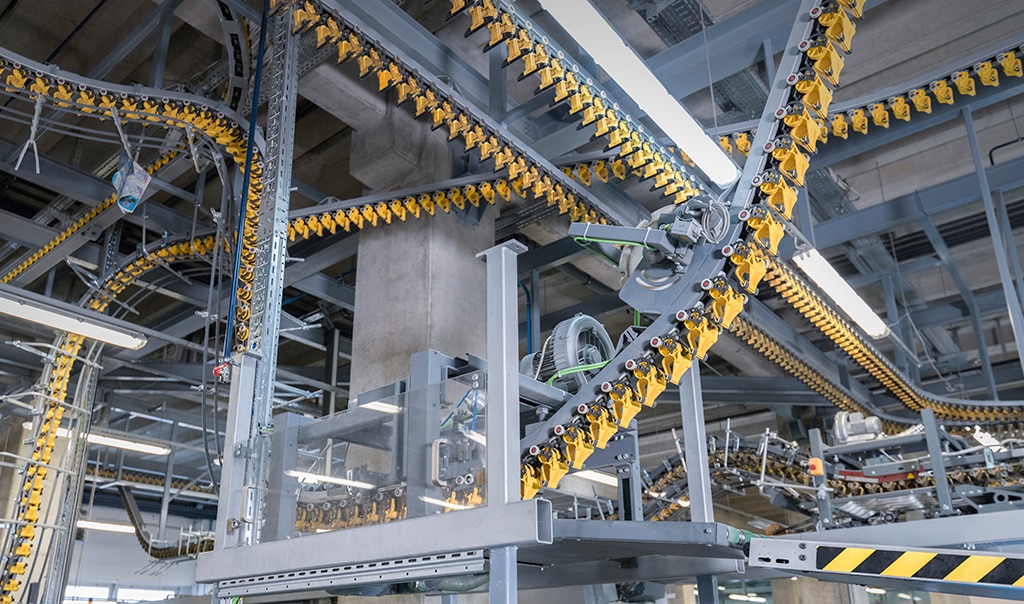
(444, 504)
(109, 527)
(381, 407)
(875, 590)
(309, 477)
(113, 441)
(603, 43)
(904, 596)
(22, 307)
(757, 599)
(598, 477)
(475, 437)
(129, 445)
(739, 597)
(821, 272)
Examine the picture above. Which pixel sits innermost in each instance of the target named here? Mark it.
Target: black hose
(992, 151)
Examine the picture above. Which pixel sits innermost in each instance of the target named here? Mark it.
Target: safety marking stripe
(973, 569)
(908, 564)
(846, 559)
(934, 566)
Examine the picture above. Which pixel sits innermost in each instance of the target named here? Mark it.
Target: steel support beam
(825, 518)
(504, 580)
(502, 378)
(328, 290)
(904, 209)
(989, 304)
(732, 45)
(1010, 243)
(1012, 301)
(160, 54)
(695, 446)
(900, 272)
(939, 244)
(934, 440)
(135, 37)
(707, 589)
(86, 188)
(272, 233)
(549, 255)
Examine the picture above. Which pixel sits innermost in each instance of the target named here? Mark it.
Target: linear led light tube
(109, 527)
(311, 477)
(113, 441)
(832, 283)
(598, 477)
(603, 43)
(36, 312)
(128, 445)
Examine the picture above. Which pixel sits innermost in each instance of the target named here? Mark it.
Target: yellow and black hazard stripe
(988, 568)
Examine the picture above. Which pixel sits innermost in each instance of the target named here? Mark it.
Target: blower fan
(573, 354)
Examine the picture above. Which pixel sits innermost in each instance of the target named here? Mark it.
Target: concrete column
(419, 284)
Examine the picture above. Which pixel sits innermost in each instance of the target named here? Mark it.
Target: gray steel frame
(932, 439)
(244, 484)
(799, 557)
(1016, 315)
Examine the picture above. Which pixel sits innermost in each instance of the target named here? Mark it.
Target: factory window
(86, 593)
(125, 594)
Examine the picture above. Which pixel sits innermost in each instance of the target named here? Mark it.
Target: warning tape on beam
(928, 565)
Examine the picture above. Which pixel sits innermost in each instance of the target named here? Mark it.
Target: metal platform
(619, 551)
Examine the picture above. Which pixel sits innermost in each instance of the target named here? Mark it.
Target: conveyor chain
(634, 379)
(146, 478)
(189, 547)
(831, 391)
(220, 126)
(664, 499)
(20, 539)
(877, 113)
(796, 292)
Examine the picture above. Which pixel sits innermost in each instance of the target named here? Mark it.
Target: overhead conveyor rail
(913, 100)
(161, 551)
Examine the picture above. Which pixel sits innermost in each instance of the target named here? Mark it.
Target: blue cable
(472, 424)
(464, 397)
(249, 151)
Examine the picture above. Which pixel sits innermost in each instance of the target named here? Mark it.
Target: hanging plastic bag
(130, 182)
